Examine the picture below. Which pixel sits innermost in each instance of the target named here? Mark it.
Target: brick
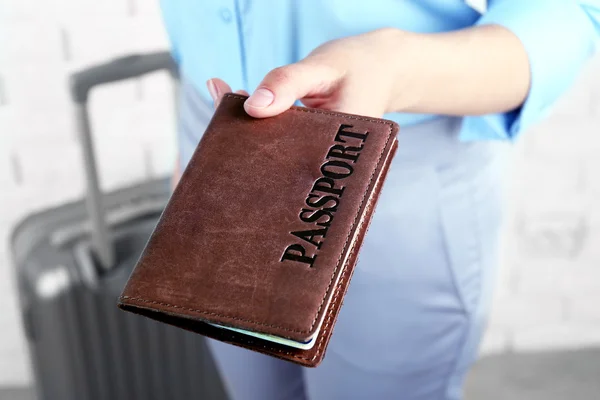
(585, 308)
(121, 164)
(517, 312)
(60, 162)
(544, 277)
(163, 155)
(13, 353)
(550, 216)
(38, 42)
(36, 90)
(147, 123)
(153, 121)
(6, 268)
(593, 65)
(593, 71)
(48, 184)
(591, 167)
(119, 114)
(145, 8)
(25, 11)
(577, 100)
(506, 275)
(155, 114)
(14, 360)
(90, 42)
(494, 342)
(553, 235)
(57, 11)
(158, 88)
(69, 10)
(21, 126)
(149, 33)
(26, 200)
(549, 178)
(15, 368)
(544, 185)
(124, 107)
(556, 337)
(7, 272)
(590, 253)
(14, 364)
(6, 168)
(113, 96)
(110, 110)
(563, 136)
(9, 309)
(583, 280)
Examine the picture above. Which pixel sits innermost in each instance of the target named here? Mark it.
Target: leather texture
(263, 230)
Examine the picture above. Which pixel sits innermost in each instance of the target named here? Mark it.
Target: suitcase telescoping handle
(81, 83)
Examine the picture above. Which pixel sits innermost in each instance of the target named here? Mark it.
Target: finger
(176, 174)
(242, 92)
(217, 88)
(318, 102)
(283, 86)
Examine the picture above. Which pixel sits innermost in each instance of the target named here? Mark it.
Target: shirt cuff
(559, 37)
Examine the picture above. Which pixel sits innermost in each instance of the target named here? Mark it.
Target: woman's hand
(351, 75)
(477, 70)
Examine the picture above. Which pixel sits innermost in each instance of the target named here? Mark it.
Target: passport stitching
(336, 269)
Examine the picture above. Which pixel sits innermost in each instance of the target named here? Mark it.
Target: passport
(258, 242)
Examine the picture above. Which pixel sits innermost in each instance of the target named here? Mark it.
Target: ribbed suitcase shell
(81, 346)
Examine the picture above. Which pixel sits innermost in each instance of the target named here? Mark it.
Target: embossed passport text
(259, 241)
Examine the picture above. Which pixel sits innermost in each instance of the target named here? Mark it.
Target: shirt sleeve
(559, 36)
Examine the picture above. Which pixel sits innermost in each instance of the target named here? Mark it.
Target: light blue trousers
(417, 304)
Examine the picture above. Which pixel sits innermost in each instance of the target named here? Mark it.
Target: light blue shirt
(241, 40)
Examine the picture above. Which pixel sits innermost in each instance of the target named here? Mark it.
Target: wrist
(403, 57)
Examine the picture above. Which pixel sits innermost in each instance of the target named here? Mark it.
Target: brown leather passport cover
(263, 230)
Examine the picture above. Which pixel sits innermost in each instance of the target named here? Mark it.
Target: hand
(176, 175)
(352, 75)
(478, 70)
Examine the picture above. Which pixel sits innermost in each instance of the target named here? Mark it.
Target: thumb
(284, 85)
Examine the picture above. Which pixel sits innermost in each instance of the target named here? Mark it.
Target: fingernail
(261, 98)
(212, 89)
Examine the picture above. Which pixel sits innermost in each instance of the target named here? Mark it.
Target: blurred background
(544, 335)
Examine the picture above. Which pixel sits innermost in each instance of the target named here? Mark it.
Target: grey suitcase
(72, 263)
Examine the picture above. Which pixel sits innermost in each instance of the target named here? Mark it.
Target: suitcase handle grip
(119, 69)
(81, 83)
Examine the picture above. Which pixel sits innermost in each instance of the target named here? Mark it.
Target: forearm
(474, 71)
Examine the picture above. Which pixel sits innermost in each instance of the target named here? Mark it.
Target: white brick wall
(548, 288)
(547, 294)
(39, 155)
